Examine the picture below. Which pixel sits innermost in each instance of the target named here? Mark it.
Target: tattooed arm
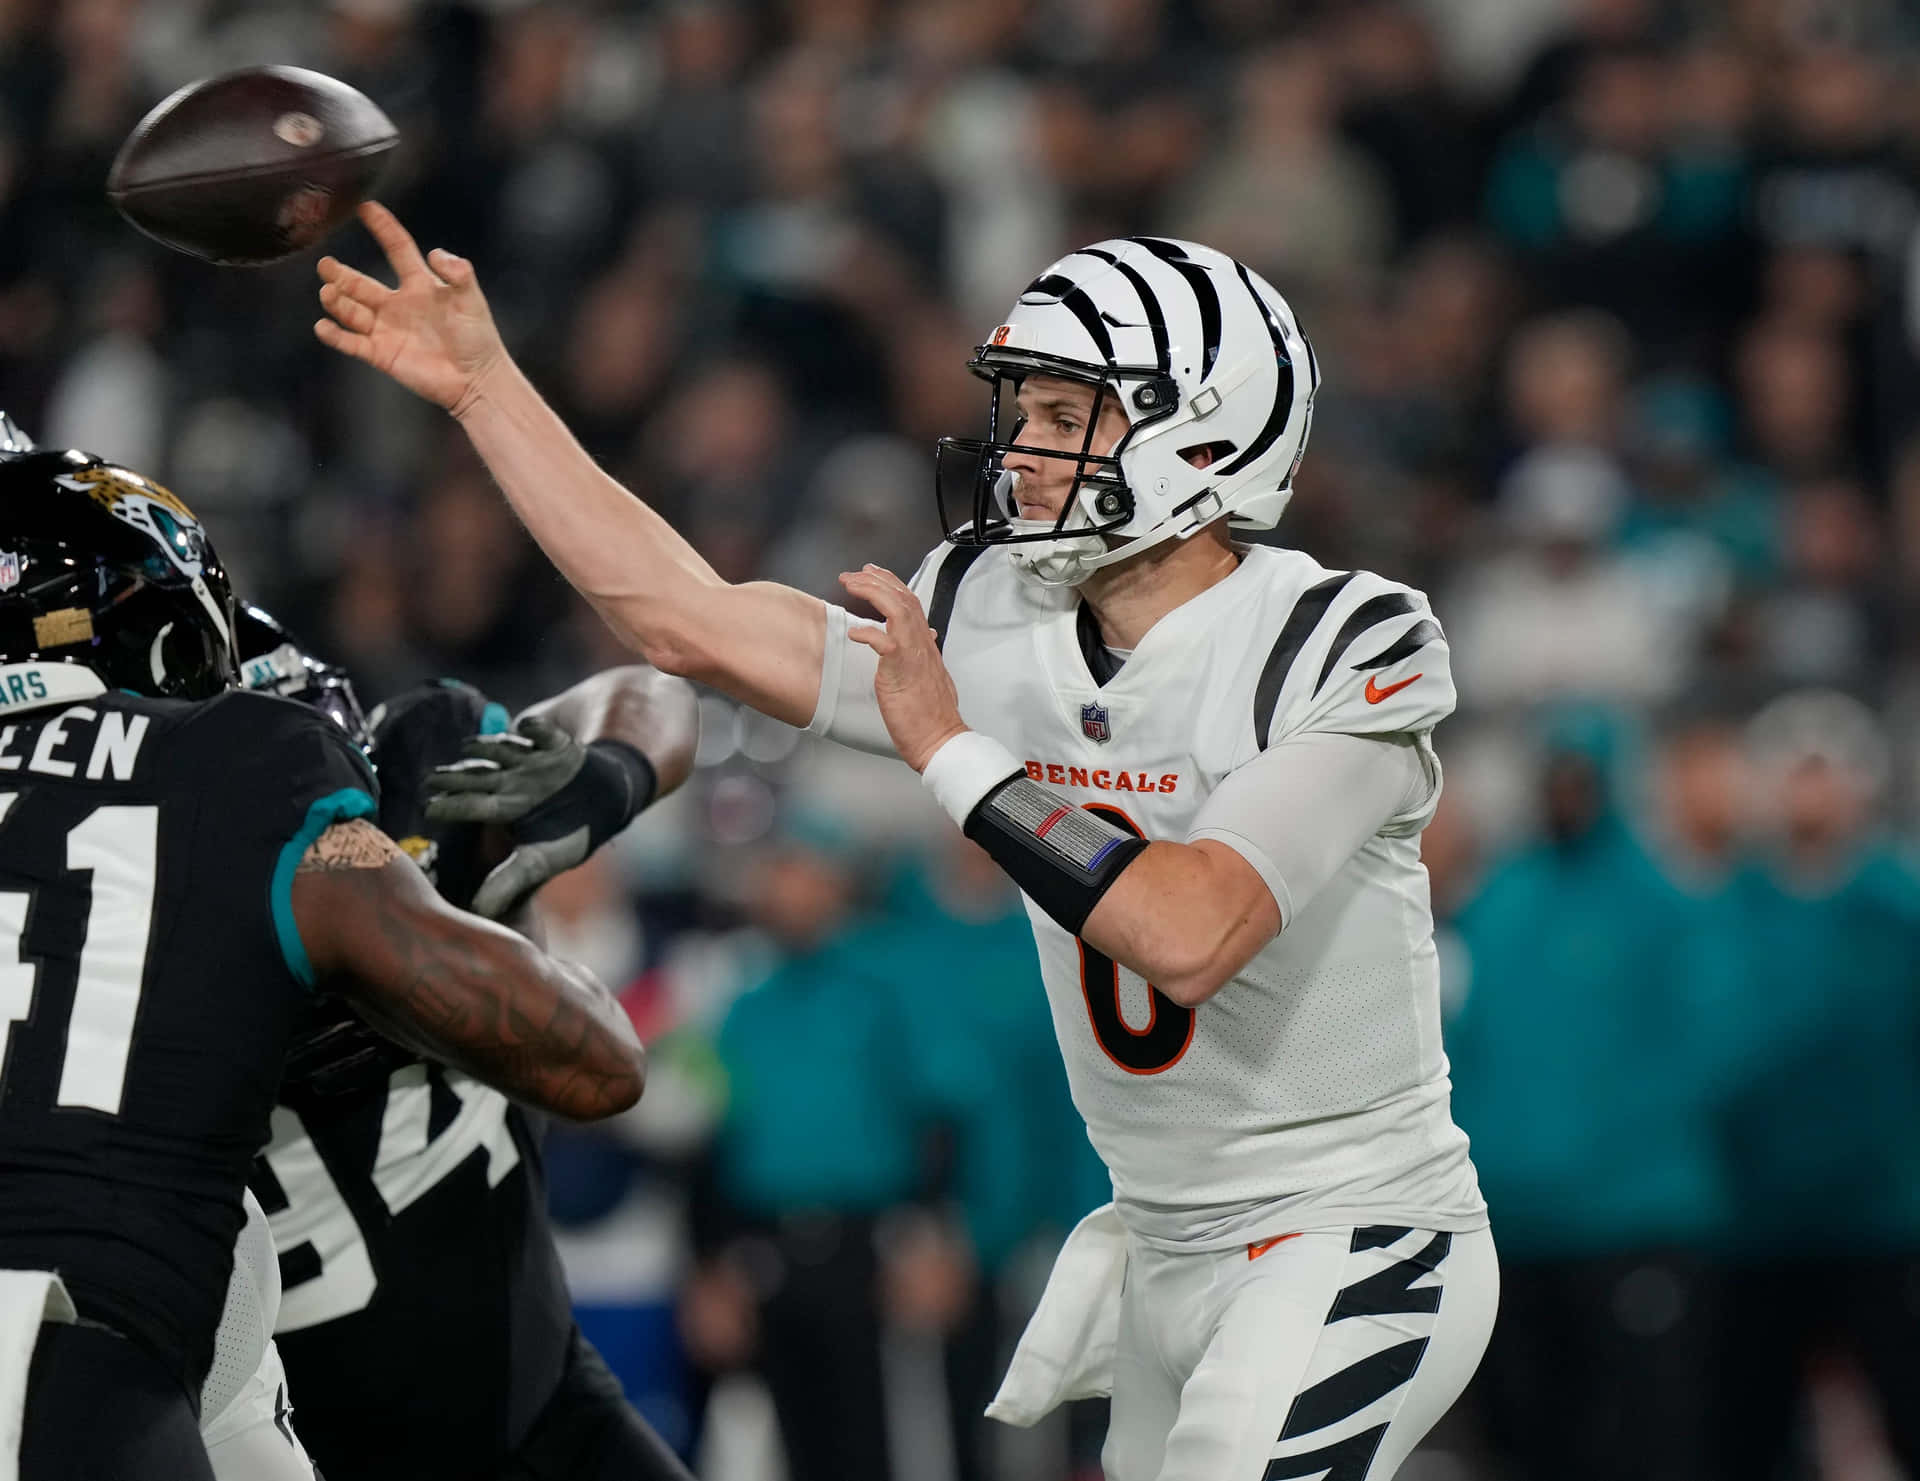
(458, 987)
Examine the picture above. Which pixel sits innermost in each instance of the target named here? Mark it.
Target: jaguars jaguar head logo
(423, 851)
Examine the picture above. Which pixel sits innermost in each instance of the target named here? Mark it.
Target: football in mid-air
(251, 166)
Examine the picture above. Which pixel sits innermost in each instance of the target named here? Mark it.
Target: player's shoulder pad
(1356, 654)
(288, 746)
(937, 583)
(980, 584)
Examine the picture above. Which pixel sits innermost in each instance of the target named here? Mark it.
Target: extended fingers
(874, 636)
(394, 240)
(887, 578)
(454, 271)
(351, 282)
(472, 775)
(349, 311)
(544, 733)
(473, 807)
(889, 595)
(345, 341)
(504, 749)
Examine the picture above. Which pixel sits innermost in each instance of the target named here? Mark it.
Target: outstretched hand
(915, 691)
(433, 332)
(542, 785)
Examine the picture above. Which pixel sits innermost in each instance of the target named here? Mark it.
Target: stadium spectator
(1561, 614)
(1825, 1173)
(1796, 399)
(1616, 305)
(1828, 617)
(1021, 1166)
(1575, 1001)
(1609, 210)
(1693, 507)
(808, 1232)
(1287, 195)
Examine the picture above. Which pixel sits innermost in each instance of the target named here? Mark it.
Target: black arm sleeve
(1064, 857)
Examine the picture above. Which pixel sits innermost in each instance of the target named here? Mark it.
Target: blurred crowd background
(1618, 304)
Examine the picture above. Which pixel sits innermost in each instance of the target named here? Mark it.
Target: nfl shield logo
(1093, 720)
(9, 570)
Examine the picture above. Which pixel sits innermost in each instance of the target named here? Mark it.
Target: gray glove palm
(558, 799)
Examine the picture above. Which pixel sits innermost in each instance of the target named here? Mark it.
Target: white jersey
(1311, 1090)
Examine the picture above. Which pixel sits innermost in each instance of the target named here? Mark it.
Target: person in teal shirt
(1022, 1171)
(897, 1129)
(1821, 1133)
(819, 1161)
(1577, 1074)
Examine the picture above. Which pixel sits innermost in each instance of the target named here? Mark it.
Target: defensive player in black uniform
(180, 865)
(425, 1322)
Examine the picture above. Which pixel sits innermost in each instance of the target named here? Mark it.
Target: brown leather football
(251, 166)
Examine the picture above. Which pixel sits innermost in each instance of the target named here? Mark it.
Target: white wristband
(965, 769)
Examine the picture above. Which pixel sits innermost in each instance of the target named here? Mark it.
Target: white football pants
(1325, 1354)
(252, 1438)
(245, 1416)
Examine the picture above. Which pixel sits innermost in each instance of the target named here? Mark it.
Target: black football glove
(559, 800)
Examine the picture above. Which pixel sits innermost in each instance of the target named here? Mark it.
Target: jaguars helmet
(107, 580)
(271, 659)
(1197, 350)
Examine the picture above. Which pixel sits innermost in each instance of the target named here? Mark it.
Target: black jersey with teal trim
(150, 976)
(424, 1321)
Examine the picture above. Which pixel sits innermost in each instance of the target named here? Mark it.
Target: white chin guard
(1065, 561)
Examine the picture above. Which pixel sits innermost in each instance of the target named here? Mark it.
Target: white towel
(27, 1298)
(1067, 1350)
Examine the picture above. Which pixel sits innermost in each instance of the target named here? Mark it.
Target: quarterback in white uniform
(1205, 765)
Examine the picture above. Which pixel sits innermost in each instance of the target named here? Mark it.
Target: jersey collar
(1178, 628)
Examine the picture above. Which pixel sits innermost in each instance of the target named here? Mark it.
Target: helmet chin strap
(1071, 558)
(156, 665)
(212, 608)
(1056, 562)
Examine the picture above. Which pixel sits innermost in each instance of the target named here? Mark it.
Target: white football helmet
(1197, 349)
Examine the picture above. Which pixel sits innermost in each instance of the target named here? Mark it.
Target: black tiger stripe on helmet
(1203, 353)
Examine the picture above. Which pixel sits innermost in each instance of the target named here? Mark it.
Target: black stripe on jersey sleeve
(1301, 621)
(946, 586)
(1370, 613)
(1410, 642)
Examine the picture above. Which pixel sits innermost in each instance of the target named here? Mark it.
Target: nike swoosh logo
(1375, 693)
(1255, 1251)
